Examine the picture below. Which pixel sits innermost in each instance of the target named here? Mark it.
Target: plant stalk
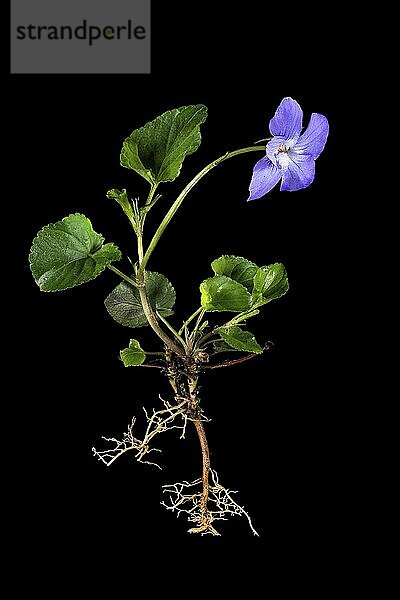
(164, 223)
(123, 276)
(147, 309)
(190, 319)
(172, 330)
(151, 318)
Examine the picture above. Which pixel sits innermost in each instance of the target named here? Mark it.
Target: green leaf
(240, 340)
(157, 150)
(221, 346)
(270, 283)
(123, 201)
(236, 267)
(222, 293)
(133, 356)
(69, 253)
(125, 307)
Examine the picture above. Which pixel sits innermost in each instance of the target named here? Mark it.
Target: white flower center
(282, 158)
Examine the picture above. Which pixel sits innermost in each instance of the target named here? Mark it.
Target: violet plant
(69, 253)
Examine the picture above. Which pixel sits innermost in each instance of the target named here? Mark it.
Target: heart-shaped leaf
(237, 268)
(270, 283)
(125, 307)
(157, 150)
(221, 346)
(240, 340)
(222, 293)
(69, 253)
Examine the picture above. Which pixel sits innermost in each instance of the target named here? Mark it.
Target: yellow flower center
(283, 148)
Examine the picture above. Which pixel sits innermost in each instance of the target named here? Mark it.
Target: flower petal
(265, 177)
(288, 119)
(313, 140)
(299, 173)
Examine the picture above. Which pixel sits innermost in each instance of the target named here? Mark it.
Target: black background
(277, 424)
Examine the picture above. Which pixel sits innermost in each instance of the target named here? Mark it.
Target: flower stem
(164, 223)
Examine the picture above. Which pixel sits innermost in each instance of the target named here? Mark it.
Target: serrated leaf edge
(173, 110)
(232, 256)
(230, 278)
(60, 221)
(284, 276)
(124, 283)
(241, 349)
(140, 349)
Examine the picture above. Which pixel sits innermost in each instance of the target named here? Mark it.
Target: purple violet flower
(289, 155)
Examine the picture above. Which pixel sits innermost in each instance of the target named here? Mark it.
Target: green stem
(172, 330)
(147, 309)
(152, 320)
(123, 276)
(190, 319)
(140, 224)
(231, 323)
(140, 247)
(151, 193)
(194, 332)
(164, 223)
(240, 318)
(139, 233)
